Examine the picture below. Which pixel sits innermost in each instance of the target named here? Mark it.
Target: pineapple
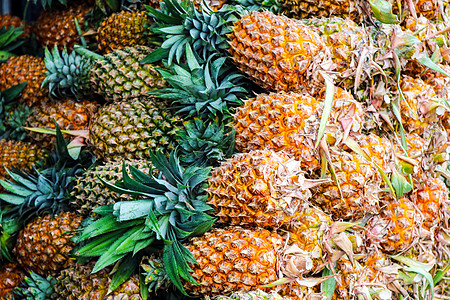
(115, 76)
(289, 122)
(9, 21)
(79, 283)
(260, 188)
(397, 226)
(358, 191)
(25, 68)
(233, 259)
(68, 114)
(22, 155)
(89, 192)
(11, 276)
(122, 29)
(132, 129)
(56, 27)
(252, 295)
(44, 245)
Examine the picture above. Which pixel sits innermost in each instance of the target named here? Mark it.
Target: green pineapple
(115, 76)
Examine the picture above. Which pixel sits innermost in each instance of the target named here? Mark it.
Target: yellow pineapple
(68, 114)
(261, 188)
(397, 226)
(11, 276)
(122, 29)
(22, 155)
(25, 68)
(44, 246)
(58, 27)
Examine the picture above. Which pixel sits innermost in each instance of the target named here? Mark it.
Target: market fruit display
(240, 149)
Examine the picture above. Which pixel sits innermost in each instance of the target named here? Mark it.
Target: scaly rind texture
(78, 283)
(22, 155)
(274, 51)
(360, 184)
(122, 29)
(25, 68)
(429, 196)
(44, 245)
(395, 229)
(9, 21)
(89, 192)
(233, 259)
(302, 9)
(57, 27)
(280, 122)
(252, 295)
(131, 129)
(121, 76)
(69, 114)
(260, 188)
(11, 276)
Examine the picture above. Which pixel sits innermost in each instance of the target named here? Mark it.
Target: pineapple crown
(36, 287)
(203, 89)
(67, 74)
(180, 23)
(170, 208)
(260, 5)
(47, 188)
(205, 143)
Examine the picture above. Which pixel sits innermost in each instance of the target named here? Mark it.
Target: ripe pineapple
(25, 68)
(68, 114)
(122, 29)
(289, 122)
(260, 188)
(252, 295)
(233, 259)
(44, 245)
(11, 276)
(9, 21)
(89, 192)
(79, 283)
(430, 195)
(56, 27)
(359, 187)
(397, 226)
(22, 155)
(132, 129)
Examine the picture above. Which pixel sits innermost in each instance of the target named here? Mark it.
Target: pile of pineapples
(241, 150)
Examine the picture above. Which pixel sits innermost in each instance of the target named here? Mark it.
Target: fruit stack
(225, 150)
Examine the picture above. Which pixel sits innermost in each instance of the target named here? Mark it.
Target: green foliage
(9, 40)
(167, 209)
(180, 23)
(48, 3)
(48, 188)
(67, 74)
(9, 226)
(12, 115)
(36, 287)
(202, 90)
(258, 5)
(205, 143)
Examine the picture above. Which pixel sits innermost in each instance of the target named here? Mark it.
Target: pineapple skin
(68, 114)
(247, 189)
(25, 68)
(57, 27)
(22, 155)
(131, 129)
(44, 245)
(11, 276)
(122, 29)
(89, 192)
(78, 283)
(120, 76)
(274, 51)
(233, 259)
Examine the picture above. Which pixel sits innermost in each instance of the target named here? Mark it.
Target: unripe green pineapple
(131, 129)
